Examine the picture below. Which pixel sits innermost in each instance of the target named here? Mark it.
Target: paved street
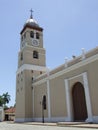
(14, 126)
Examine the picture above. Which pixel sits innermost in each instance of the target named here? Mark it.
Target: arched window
(32, 34)
(35, 54)
(37, 35)
(44, 102)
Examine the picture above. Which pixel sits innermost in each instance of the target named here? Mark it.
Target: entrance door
(79, 103)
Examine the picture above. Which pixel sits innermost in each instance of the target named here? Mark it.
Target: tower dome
(31, 23)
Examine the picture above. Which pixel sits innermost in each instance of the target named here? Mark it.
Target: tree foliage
(1, 100)
(4, 99)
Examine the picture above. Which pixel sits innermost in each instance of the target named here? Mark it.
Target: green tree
(4, 99)
(1, 101)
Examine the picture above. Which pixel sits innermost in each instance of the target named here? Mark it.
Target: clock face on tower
(35, 43)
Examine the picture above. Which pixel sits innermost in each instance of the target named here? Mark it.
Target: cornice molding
(31, 67)
(31, 27)
(68, 69)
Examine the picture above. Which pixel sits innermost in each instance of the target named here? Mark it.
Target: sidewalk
(40, 123)
(65, 124)
(78, 124)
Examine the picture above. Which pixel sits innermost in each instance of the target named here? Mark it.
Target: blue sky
(69, 25)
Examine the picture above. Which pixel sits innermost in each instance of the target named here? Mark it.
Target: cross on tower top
(31, 16)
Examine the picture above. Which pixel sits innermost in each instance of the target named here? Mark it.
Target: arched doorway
(79, 102)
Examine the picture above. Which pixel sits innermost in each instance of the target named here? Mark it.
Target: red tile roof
(10, 110)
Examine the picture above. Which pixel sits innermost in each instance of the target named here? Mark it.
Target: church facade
(70, 91)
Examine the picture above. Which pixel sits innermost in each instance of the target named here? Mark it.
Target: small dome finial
(31, 16)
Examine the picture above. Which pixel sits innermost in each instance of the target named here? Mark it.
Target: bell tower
(31, 63)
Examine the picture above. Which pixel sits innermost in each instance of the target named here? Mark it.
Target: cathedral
(66, 93)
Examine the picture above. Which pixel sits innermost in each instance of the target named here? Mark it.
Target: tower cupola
(31, 23)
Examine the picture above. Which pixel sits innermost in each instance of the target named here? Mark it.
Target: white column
(68, 101)
(87, 95)
(1, 114)
(49, 104)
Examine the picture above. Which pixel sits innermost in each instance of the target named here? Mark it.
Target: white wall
(1, 114)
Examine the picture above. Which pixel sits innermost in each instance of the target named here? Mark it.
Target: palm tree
(1, 101)
(6, 98)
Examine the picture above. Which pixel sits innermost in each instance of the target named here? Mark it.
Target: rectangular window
(40, 72)
(31, 71)
(35, 54)
(21, 56)
(24, 35)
